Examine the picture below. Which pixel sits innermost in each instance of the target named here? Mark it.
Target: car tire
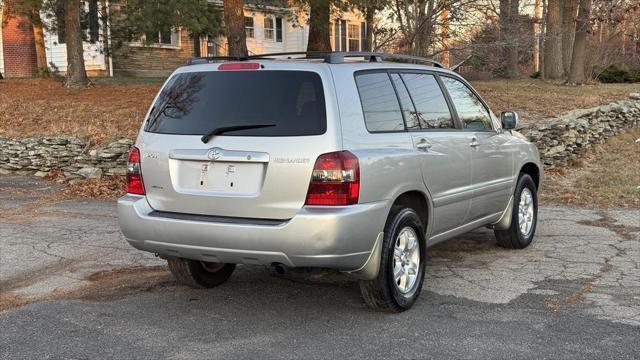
(392, 293)
(524, 211)
(199, 274)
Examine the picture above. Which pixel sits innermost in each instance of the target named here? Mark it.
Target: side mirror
(509, 120)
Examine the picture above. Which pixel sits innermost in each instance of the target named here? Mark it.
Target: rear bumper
(341, 238)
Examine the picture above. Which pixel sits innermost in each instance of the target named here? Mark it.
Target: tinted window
(430, 103)
(410, 116)
(471, 112)
(379, 102)
(196, 103)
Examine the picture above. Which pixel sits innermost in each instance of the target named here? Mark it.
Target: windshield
(292, 102)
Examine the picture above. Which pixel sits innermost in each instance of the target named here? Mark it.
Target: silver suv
(344, 161)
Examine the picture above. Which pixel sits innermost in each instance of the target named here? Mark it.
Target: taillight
(335, 180)
(239, 66)
(134, 174)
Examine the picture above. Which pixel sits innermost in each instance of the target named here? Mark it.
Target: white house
(271, 26)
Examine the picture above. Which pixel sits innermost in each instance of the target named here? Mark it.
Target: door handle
(474, 142)
(423, 145)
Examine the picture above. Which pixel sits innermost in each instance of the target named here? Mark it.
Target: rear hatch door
(268, 125)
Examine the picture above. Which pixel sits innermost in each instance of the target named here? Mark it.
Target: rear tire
(524, 216)
(389, 292)
(199, 274)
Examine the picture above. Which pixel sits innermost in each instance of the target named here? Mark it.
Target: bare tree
(76, 73)
(576, 73)
(553, 43)
(514, 35)
(234, 22)
(418, 21)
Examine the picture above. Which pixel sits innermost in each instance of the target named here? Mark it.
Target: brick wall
(18, 43)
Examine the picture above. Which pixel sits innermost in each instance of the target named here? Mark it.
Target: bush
(616, 74)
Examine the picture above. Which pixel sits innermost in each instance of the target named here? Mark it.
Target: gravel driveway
(71, 287)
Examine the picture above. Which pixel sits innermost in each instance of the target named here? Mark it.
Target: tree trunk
(553, 43)
(514, 34)
(569, 9)
(38, 34)
(76, 73)
(234, 21)
(370, 12)
(319, 39)
(543, 38)
(576, 72)
(424, 28)
(537, 31)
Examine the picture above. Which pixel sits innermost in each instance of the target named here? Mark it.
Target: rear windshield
(289, 103)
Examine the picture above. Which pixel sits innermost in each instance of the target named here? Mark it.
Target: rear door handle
(423, 145)
(474, 143)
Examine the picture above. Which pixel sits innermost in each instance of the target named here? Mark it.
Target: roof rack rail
(328, 57)
(338, 57)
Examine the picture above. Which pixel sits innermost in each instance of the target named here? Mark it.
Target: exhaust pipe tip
(279, 269)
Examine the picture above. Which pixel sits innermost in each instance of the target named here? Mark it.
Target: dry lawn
(101, 112)
(536, 99)
(114, 108)
(607, 177)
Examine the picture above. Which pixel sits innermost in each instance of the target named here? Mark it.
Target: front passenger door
(492, 174)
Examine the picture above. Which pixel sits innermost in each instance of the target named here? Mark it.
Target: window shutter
(278, 29)
(363, 36)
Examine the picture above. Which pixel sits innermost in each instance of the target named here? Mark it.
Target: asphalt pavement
(71, 287)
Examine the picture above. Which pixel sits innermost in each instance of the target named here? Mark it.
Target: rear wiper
(221, 130)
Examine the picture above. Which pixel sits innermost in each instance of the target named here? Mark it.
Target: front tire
(402, 266)
(200, 274)
(524, 216)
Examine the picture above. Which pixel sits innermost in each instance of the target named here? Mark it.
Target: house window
(278, 29)
(354, 37)
(165, 37)
(268, 28)
(248, 26)
(343, 35)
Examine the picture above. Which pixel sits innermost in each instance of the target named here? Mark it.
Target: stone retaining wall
(72, 155)
(571, 134)
(559, 139)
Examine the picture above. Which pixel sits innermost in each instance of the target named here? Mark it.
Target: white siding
(57, 54)
(258, 44)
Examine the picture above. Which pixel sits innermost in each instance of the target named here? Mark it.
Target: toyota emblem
(214, 154)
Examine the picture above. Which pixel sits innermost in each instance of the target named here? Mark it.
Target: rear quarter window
(380, 105)
(195, 103)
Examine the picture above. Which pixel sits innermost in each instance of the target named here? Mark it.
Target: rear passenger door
(444, 151)
(492, 176)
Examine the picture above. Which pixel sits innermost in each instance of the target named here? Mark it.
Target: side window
(410, 115)
(471, 111)
(379, 102)
(431, 106)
